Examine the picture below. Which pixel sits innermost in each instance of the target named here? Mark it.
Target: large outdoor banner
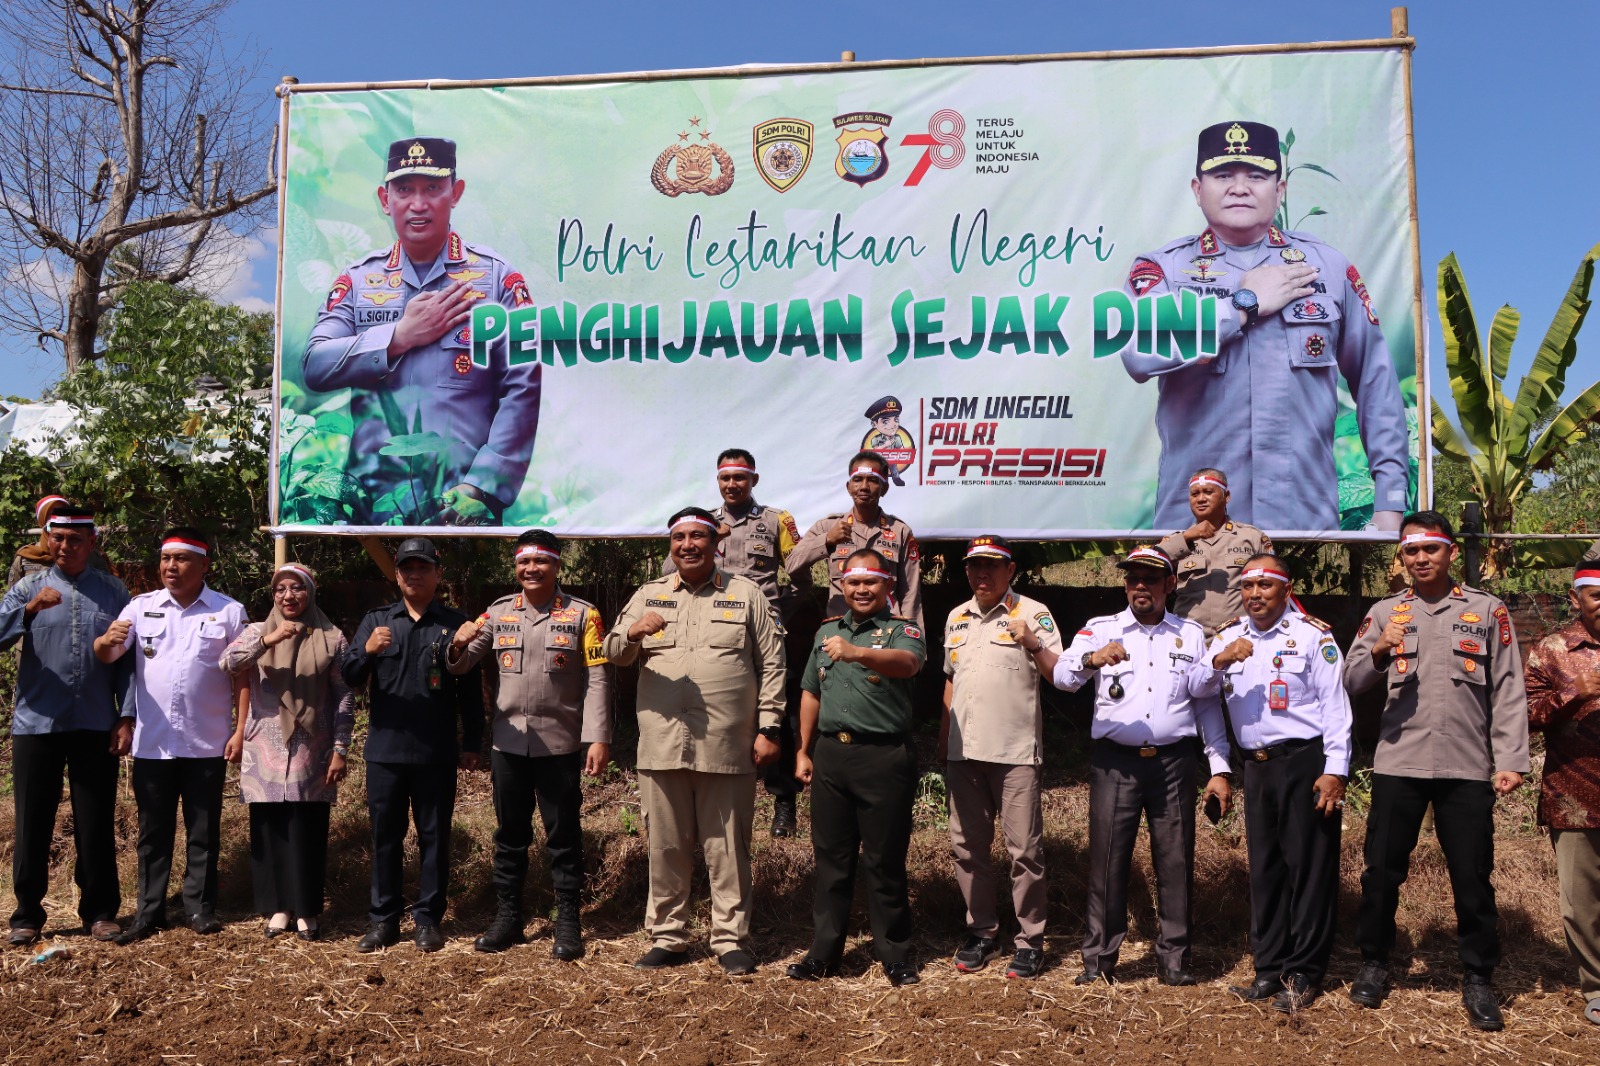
(1033, 286)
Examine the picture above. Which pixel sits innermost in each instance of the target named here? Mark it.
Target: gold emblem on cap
(417, 154)
(1238, 139)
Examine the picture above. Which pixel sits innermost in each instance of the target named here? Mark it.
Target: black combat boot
(505, 930)
(569, 934)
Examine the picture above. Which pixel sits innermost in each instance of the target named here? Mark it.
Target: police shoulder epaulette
(380, 253)
(1301, 237)
(1172, 246)
(1229, 625)
(1099, 618)
(832, 618)
(1317, 623)
(508, 598)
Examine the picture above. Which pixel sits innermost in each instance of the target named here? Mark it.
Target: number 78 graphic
(941, 146)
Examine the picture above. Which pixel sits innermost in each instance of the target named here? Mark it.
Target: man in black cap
(396, 329)
(887, 438)
(1150, 717)
(1293, 316)
(411, 741)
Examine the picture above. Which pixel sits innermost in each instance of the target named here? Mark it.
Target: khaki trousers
(979, 791)
(1578, 870)
(682, 809)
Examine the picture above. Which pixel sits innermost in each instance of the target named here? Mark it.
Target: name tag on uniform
(733, 605)
(154, 614)
(661, 603)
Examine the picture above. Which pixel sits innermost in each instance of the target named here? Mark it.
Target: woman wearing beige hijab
(292, 747)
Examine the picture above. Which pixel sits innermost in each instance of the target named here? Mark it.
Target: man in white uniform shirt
(1281, 675)
(182, 709)
(1147, 670)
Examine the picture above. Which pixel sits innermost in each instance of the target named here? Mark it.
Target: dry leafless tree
(128, 151)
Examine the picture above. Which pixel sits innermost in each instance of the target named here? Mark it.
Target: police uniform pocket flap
(151, 624)
(510, 637)
(1469, 666)
(510, 660)
(757, 547)
(1122, 669)
(1292, 664)
(1313, 344)
(727, 630)
(213, 631)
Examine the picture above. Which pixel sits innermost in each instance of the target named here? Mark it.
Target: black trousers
(37, 763)
(1122, 787)
(289, 856)
(426, 794)
(1294, 865)
(1463, 819)
(158, 786)
(861, 796)
(554, 783)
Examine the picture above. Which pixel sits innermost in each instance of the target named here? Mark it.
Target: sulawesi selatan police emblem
(862, 155)
(782, 151)
(693, 166)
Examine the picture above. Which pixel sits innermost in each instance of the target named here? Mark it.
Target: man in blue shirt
(66, 719)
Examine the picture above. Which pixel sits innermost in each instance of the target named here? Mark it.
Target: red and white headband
(738, 468)
(1424, 538)
(692, 519)
(1586, 577)
(992, 550)
(183, 544)
(867, 571)
(297, 570)
(537, 550)
(44, 505)
(870, 471)
(1262, 571)
(71, 520)
(1207, 479)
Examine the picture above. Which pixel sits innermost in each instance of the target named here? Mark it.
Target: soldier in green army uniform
(857, 756)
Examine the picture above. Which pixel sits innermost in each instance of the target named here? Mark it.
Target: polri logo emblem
(862, 155)
(702, 165)
(782, 149)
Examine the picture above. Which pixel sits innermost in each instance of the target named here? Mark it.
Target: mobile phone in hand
(1213, 809)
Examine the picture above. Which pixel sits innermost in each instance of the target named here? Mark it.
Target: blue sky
(1508, 144)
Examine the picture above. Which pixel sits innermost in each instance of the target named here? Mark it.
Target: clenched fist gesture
(286, 630)
(380, 640)
(1236, 652)
(650, 623)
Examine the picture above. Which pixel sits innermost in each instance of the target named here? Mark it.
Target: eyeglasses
(289, 590)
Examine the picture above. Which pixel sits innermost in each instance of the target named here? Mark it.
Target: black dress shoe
(1371, 984)
(309, 935)
(22, 935)
(809, 969)
(1177, 977)
(1257, 990)
(737, 962)
(204, 924)
(900, 973)
(783, 823)
(1483, 1008)
(427, 937)
(379, 935)
(1298, 993)
(273, 931)
(659, 958)
(138, 931)
(1089, 977)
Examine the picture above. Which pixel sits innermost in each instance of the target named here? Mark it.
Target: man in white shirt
(1146, 665)
(1281, 675)
(182, 709)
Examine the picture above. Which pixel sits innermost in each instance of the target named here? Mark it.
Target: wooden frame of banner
(1400, 38)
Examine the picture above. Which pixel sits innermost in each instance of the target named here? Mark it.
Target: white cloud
(244, 270)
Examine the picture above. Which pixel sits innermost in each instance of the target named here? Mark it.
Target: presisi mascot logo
(862, 155)
(701, 167)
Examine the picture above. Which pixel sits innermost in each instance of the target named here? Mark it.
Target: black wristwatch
(1084, 664)
(772, 732)
(1248, 306)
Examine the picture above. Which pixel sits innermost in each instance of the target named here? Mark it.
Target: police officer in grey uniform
(1454, 735)
(1296, 316)
(1211, 553)
(755, 540)
(866, 525)
(552, 723)
(396, 327)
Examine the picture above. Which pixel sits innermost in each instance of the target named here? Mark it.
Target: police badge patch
(1315, 345)
(782, 151)
(1145, 276)
(1360, 288)
(862, 155)
(341, 289)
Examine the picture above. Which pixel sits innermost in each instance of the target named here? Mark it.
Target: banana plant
(1504, 441)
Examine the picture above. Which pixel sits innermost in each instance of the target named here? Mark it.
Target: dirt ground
(185, 1000)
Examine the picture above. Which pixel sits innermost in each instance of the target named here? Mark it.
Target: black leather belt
(851, 736)
(1275, 751)
(1148, 751)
